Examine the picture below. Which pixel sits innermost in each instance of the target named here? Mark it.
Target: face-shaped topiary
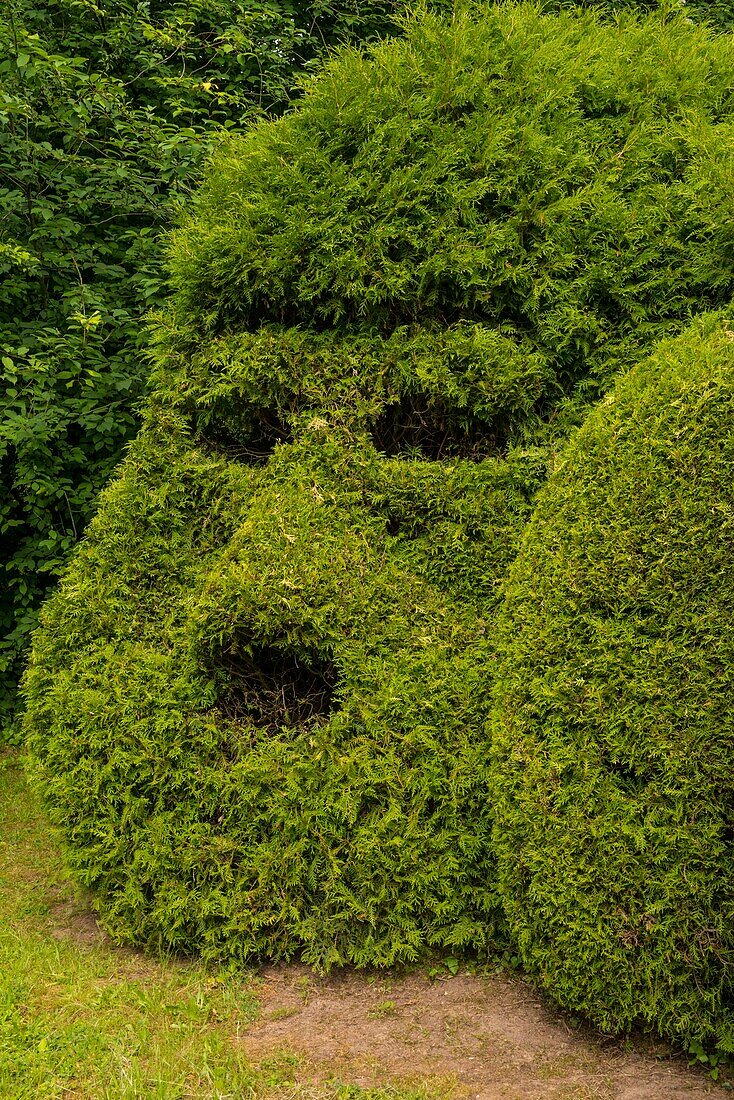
(614, 737)
(257, 696)
(257, 704)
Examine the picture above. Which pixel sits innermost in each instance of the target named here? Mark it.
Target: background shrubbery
(718, 14)
(256, 703)
(614, 732)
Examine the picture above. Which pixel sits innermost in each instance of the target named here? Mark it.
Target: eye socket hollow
(274, 688)
(416, 427)
(250, 439)
(627, 777)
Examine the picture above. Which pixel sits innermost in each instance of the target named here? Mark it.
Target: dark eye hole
(275, 688)
(417, 428)
(627, 777)
(249, 438)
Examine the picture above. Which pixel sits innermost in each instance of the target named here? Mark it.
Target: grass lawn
(82, 1020)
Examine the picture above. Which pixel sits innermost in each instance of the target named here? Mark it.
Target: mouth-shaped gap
(274, 688)
(250, 439)
(414, 427)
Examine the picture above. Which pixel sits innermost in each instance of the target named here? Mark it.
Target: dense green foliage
(255, 696)
(107, 112)
(255, 706)
(614, 736)
(516, 171)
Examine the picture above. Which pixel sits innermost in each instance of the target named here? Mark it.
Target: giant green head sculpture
(257, 704)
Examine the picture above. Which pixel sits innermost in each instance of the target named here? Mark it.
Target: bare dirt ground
(470, 1037)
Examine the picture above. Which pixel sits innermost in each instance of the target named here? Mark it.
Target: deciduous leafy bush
(614, 736)
(107, 112)
(256, 705)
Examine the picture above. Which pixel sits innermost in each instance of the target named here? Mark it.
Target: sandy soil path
(471, 1037)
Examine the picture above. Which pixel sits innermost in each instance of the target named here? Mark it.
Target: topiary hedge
(256, 705)
(510, 169)
(614, 737)
(254, 701)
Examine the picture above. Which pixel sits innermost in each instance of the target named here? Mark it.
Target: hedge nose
(614, 736)
(257, 704)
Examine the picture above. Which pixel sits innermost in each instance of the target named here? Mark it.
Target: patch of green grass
(83, 1020)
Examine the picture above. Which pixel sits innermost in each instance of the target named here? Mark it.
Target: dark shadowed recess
(250, 441)
(629, 779)
(415, 427)
(275, 688)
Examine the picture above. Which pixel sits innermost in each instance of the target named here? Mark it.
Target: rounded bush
(614, 731)
(256, 706)
(564, 178)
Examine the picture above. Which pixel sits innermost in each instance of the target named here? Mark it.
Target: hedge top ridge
(561, 179)
(614, 736)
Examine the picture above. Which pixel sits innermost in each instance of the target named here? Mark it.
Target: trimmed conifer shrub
(254, 701)
(614, 737)
(561, 178)
(256, 706)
